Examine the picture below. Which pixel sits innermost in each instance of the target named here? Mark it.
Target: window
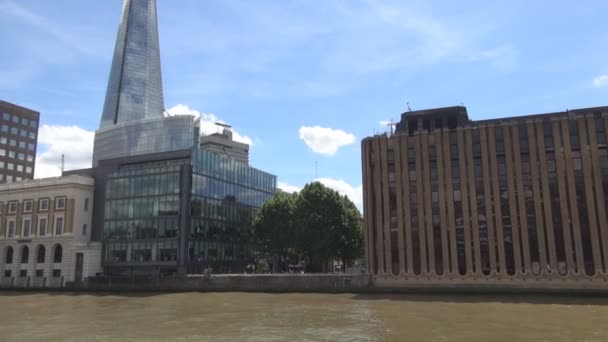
(25, 255)
(12, 207)
(27, 206)
(13, 142)
(23, 273)
(15, 119)
(43, 204)
(6, 116)
(11, 229)
(33, 124)
(9, 255)
(40, 256)
(27, 223)
(23, 133)
(58, 254)
(2, 152)
(14, 131)
(56, 273)
(32, 135)
(12, 154)
(84, 229)
(1, 165)
(42, 227)
(59, 203)
(24, 121)
(30, 146)
(86, 204)
(29, 157)
(3, 140)
(10, 166)
(59, 226)
(22, 144)
(39, 273)
(8, 273)
(19, 168)
(20, 156)
(1, 207)
(28, 169)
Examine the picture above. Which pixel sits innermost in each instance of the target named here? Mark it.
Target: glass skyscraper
(133, 120)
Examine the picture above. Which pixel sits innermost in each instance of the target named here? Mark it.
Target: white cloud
(75, 143)
(287, 187)
(600, 81)
(324, 140)
(354, 193)
(208, 121)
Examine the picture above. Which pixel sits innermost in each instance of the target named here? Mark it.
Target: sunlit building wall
(513, 201)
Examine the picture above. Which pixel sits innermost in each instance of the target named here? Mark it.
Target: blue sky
(305, 81)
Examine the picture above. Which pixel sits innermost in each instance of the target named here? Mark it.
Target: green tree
(274, 229)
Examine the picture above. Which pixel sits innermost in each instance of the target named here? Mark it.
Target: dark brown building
(18, 140)
(518, 201)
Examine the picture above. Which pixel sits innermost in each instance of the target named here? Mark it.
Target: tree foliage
(316, 224)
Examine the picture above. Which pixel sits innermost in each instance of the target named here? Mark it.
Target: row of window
(43, 205)
(17, 132)
(10, 178)
(16, 167)
(43, 228)
(18, 155)
(17, 119)
(39, 273)
(18, 143)
(40, 255)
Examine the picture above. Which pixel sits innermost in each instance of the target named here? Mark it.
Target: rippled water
(298, 317)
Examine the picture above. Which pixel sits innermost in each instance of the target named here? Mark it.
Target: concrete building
(45, 232)
(18, 140)
(222, 143)
(517, 201)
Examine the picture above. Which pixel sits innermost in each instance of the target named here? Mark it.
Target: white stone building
(45, 232)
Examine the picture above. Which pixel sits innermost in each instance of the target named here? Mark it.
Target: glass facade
(145, 137)
(144, 220)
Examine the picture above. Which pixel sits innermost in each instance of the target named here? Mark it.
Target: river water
(298, 317)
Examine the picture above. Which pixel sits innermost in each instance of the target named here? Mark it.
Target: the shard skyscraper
(133, 120)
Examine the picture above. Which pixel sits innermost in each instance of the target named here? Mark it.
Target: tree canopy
(316, 224)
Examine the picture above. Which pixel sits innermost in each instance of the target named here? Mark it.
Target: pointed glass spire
(135, 87)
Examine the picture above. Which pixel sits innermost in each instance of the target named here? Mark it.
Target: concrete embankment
(326, 283)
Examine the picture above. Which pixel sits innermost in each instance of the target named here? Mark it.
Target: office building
(45, 232)
(517, 201)
(166, 202)
(18, 139)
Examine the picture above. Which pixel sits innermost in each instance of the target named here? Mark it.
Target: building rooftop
(48, 182)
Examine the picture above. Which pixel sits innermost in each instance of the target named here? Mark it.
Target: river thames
(298, 317)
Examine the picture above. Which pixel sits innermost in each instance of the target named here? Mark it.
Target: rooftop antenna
(62, 163)
(409, 109)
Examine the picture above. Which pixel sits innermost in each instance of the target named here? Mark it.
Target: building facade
(18, 141)
(187, 213)
(45, 232)
(516, 201)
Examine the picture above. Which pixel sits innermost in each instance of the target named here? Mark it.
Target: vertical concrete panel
(593, 228)
(599, 190)
(399, 198)
(542, 158)
(420, 193)
(521, 201)
(376, 176)
(449, 195)
(385, 205)
(441, 167)
(563, 195)
(536, 189)
(367, 215)
(464, 197)
(500, 237)
(473, 200)
(485, 161)
(428, 213)
(512, 197)
(572, 199)
(405, 190)
(69, 216)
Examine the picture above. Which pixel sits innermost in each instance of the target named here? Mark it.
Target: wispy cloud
(600, 81)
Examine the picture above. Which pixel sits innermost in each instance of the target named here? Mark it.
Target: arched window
(25, 255)
(41, 254)
(9, 255)
(58, 254)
